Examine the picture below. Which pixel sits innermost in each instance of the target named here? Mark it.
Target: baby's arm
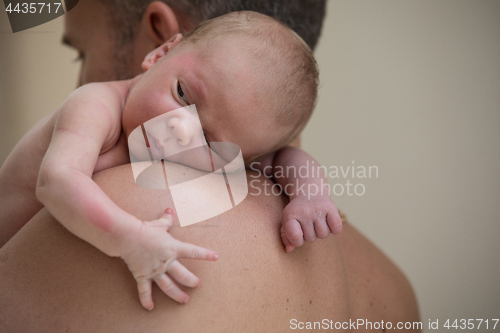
(311, 213)
(90, 119)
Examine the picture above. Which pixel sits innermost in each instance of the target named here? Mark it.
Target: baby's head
(252, 79)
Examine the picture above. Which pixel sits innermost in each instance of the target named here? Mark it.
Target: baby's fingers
(334, 221)
(144, 287)
(190, 251)
(164, 221)
(168, 218)
(182, 275)
(171, 289)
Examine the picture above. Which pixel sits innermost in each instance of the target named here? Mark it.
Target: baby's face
(222, 86)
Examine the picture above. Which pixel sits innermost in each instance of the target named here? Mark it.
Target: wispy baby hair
(288, 73)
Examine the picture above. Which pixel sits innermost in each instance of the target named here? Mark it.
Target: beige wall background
(412, 87)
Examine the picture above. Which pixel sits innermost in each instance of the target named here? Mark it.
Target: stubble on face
(90, 30)
(123, 66)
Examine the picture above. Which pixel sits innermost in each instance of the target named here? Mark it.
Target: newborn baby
(254, 83)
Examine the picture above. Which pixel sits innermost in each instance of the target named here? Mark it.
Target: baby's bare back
(31, 149)
(255, 286)
(20, 171)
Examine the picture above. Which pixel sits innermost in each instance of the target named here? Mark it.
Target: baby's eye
(181, 93)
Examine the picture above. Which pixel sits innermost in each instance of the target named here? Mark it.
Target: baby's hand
(308, 219)
(151, 255)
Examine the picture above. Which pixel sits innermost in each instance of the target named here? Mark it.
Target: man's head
(252, 79)
(113, 36)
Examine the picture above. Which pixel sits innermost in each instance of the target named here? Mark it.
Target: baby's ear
(160, 51)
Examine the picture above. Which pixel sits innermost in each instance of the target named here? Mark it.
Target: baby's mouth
(155, 148)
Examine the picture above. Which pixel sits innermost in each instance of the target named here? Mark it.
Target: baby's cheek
(138, 149)
(130, 120)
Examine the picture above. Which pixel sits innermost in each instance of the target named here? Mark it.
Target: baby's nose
(183, 129)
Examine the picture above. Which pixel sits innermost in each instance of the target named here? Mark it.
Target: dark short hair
(305, 17)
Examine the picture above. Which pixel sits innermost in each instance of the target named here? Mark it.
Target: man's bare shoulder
(364, 277)
(382, 290)
(254, 286)
(373, 286)
(120, 185)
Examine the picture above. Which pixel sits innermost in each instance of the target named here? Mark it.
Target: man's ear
(160, 51)
(159, 23)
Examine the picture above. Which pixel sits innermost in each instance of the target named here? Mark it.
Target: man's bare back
(52, 281)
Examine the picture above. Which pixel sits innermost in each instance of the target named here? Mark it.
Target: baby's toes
(293, 232)
(334, 221)
(321, 228)
(309, 232)
(286, 242)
